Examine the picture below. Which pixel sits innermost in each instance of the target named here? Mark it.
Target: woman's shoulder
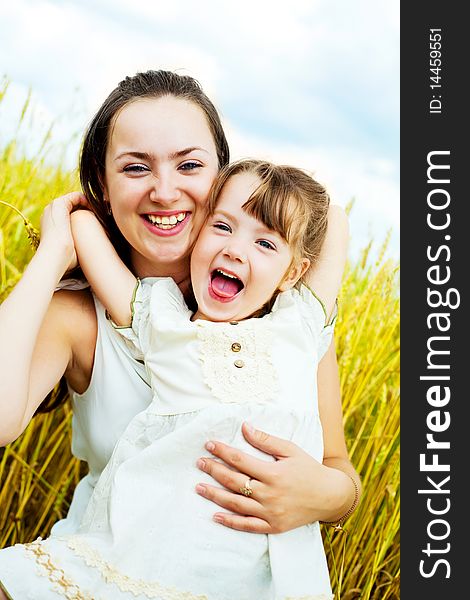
(73, 312)
(77, 314)
(70, 304)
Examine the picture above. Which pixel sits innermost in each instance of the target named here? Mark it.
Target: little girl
(246, 352)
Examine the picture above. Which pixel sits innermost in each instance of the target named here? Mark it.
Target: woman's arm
(35, 338)
(335, 453)
(324, 277)
(108, 276)
(292, 491)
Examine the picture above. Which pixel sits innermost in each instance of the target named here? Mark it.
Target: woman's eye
(222, 227)
(266, 244)
(190, 166)
(136, 169)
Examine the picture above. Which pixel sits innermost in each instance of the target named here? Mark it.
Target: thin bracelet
(338, 524)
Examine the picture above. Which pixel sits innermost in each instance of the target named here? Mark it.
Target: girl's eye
(190, 165)
(266, 244)
(222, 227)
(136, 169)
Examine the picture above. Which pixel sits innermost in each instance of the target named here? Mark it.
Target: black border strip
(434, 568)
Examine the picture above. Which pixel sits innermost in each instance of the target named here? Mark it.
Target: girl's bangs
(277, 207)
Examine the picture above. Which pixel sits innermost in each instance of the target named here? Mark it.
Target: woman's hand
(292, 491)
(55, 227)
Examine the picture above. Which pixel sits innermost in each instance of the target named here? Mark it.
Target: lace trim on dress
(67, 588)
(150, 589)
(236, 361)
(62, 584)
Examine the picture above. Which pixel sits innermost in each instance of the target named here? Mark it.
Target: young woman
(151, 153)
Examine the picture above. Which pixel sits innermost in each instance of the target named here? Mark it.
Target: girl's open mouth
(167, 224)
(224, 286)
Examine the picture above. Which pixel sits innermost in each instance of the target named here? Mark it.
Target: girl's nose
(164, 191)
(235, 251)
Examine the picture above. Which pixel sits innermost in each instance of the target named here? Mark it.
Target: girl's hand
(293, 491)
(56, 233)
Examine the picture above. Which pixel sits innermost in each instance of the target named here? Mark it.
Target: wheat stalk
(32, 232)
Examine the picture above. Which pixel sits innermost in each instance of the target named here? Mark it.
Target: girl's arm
(324, 277)
(36, 337)
(108, 276)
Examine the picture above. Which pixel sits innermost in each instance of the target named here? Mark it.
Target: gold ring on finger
(246, 490)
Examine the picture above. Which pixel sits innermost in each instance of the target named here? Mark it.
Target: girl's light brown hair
(288, 200)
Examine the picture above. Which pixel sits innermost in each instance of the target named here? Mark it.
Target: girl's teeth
(227, 274)
(173, 220)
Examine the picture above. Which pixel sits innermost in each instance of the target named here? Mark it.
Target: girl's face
(160, 163)
(238, 263)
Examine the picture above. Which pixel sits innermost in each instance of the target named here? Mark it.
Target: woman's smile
(166, 223)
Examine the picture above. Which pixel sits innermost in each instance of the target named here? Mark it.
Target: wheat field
(38, 473)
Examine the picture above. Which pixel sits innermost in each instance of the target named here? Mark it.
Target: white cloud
(311, 80)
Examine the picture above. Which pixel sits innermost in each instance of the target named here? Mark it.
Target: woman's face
(160, 163)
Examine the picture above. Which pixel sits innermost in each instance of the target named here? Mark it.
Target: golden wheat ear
(32, 232)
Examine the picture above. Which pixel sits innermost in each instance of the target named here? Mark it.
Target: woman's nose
(164, 191)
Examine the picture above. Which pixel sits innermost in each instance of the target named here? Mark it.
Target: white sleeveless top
(118, 391)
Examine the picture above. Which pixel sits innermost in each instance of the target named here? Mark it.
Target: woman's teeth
(166, 222)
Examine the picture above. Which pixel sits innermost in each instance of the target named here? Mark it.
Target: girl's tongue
(225, 286)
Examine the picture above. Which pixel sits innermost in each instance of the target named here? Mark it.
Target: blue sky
(313, 83)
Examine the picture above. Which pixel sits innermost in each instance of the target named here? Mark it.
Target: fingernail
(201, 489)
(201, 464)
(218, 519)
(210, 446)
(250, 428)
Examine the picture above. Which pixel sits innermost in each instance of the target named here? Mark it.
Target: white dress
(146, 533)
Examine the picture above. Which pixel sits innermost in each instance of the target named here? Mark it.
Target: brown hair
(287, 200)
(151, 84)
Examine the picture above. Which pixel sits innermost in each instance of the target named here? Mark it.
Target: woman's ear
(103, 186)
(106, 198)
(105, 194)
(293, 274)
